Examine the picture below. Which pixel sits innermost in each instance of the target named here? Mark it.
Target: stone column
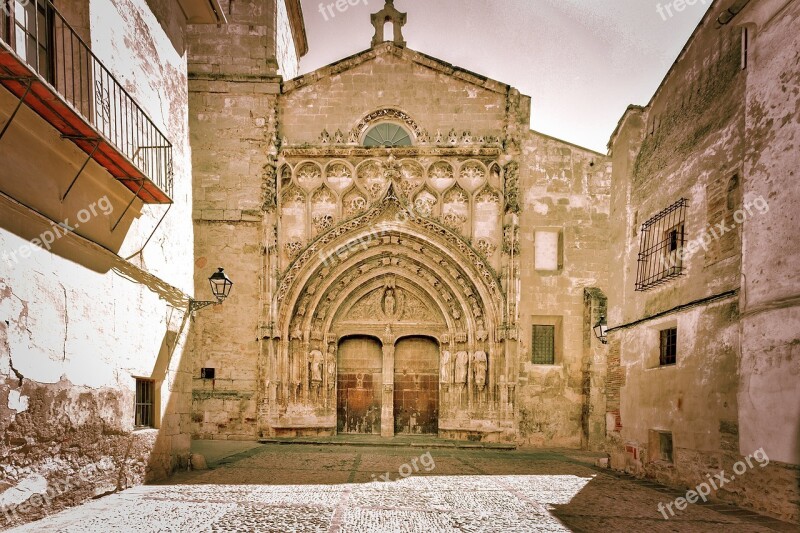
(387, 391)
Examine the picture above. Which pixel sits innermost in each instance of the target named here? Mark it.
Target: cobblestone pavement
(293, 488)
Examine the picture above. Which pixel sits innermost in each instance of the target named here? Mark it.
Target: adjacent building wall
(79, 322)
(564, 189)
(703, 139)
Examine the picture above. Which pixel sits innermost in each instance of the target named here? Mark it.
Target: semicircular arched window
(387, 134)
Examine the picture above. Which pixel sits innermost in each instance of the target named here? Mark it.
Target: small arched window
(387, 134)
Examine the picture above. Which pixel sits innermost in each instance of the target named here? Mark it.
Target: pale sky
(582, 62)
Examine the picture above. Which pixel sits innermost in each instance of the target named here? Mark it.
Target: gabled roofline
(389, 48)
(573, 145)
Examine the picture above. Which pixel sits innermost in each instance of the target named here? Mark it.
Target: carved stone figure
(316, 359)
(480, 365)
(444, 374)
(389, 303)
(330, 366)
(462, 361)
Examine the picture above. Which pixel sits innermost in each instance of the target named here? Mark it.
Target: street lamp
(221, 286)
(601, 330)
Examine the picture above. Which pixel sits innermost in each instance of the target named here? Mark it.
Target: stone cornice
(345, 151)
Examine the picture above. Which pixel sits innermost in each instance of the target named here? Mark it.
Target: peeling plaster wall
(699, 139)
(770, 366)
(564, 188)
(78, 324)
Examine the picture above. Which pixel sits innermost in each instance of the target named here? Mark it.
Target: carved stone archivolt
(388, 244)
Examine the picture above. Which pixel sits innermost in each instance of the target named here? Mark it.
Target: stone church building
(388, 279)
(408, 257)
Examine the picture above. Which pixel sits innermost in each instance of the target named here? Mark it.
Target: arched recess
(389, 230)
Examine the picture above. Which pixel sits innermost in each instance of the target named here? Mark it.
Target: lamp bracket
(196, 305)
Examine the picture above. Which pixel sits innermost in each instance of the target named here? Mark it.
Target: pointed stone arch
(387, 273)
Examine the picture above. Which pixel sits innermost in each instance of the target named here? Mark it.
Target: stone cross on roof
(389, 14)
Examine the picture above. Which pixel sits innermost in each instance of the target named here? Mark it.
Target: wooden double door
(415, 408)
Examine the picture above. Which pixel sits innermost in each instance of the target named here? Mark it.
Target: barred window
(661, 246)
(669, 347)
(145, 395)
(544, 345)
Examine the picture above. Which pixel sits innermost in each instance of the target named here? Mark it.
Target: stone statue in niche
(316, 360)
(389, 303)
(480, 365)
(330, 366)
(462, 361)
(444, 374)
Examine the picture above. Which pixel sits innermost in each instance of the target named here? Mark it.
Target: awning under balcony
(98, 116)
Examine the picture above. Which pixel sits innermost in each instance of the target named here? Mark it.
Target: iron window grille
(145, 403)
(668, 354)
(661, 247)
(544, 345)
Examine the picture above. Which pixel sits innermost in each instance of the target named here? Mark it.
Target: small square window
(544, 345)
(669, 347)
(208, 373)
(665, 447)
(145, 403)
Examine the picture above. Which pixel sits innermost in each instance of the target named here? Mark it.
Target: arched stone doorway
(416, 386)
(388, 275)
(358, 385)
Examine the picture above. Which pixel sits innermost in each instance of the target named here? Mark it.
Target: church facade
(418, 261)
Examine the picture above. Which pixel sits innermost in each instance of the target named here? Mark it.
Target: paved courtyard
(327, 488)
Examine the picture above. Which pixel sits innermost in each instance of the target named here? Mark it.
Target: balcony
(49, 68)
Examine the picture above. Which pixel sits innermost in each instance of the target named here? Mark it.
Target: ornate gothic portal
(389, 313)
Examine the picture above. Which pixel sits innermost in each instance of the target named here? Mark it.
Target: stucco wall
(79, 323)
(704, 138)
(769, 390)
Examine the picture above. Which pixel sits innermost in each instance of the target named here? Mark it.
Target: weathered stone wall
(693, 141)
(565, 189)
(78, 324)
(244, 47)
(233, 94)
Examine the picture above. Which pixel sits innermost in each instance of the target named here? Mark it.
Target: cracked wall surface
(79, 323)
(721, 133)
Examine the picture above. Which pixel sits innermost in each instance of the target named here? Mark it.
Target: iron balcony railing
(41, 37)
